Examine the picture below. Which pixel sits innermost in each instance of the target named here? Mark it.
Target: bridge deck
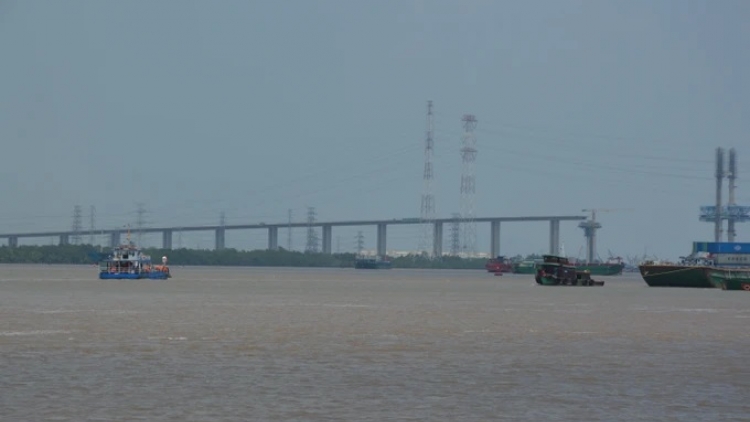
(284, 225)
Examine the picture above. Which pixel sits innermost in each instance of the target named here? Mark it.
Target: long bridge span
(327, 229)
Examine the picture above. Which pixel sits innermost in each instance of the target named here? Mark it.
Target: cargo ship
(499, 265)
(729, 279)
(694, 270)
(372, 263)
(527, 266)
(613, 266)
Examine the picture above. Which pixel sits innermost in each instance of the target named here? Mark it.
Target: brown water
(276, 344)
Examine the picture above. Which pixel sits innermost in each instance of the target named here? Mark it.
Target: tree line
(88, 254)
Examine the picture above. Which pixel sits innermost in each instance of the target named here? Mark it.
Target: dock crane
(590, 227)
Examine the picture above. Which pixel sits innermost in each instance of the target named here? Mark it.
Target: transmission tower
(360, 242)
(77, 225)
(289, 232)
(468, 155)
(92, 223)
(731, 177)
(312, 236)
(455, 234)
(140, 222)
(427, 212)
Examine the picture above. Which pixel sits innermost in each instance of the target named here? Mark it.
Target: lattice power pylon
(468, 156)
(312, 235)
(427, 212)
(77, 226)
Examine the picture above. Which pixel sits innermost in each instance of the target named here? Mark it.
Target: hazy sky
(257, 107)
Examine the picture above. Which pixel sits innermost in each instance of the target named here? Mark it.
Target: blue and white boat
(127, 262)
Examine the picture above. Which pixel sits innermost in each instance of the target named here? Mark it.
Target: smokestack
(731, 175)
(719, 176)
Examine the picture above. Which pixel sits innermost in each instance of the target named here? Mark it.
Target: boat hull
(552, 281)
(153, 275)
(372, 265)
(729, 279)
(675, 276)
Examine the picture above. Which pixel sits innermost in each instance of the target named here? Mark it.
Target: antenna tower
(312, 236)
(77, 225)
(360, 242)
(719, 175)
(731, 175)
(468, 156)
(92, 223)
(732, 212)
(140, 222)
(456, 234)
(427, 213)
(289, 232)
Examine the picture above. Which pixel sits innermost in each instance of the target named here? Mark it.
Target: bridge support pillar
(554, 237)
(64, 239)
(327, 229)
(219, 239)
(273, 238)
(381, 239)
(494, 239)
(13, 241)
(437, 242)
(166, 239)
(114, 239)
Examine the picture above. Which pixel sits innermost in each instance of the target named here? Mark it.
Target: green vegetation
(87, 254)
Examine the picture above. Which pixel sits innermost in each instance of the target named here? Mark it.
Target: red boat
(499, 265)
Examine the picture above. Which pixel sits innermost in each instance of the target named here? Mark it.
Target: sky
(255, 108)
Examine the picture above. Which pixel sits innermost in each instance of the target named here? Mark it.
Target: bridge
(327, 228)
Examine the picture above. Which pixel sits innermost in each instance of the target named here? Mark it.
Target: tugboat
(558, 271)
(127, 262)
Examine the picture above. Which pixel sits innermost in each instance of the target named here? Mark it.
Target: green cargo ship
(527, 266)
(372, 263)
(607, 268)
(729, 279)
(674, 275)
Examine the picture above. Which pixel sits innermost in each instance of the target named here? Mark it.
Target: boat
(499, 265)
(372, 263)
(128, 262)
(526, 266)
(729, 279)
(690, 271)
(613, 266)
(558, 271)
(695, 270)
